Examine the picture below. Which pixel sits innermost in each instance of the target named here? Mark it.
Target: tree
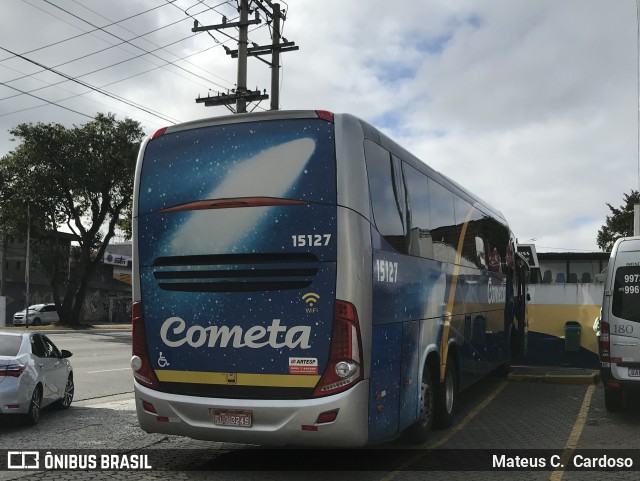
(619, 223)
(79, 178)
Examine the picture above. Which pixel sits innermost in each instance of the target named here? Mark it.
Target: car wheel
(446, 397)
(36, 322)
(418, 433)
(65, 401)
(33, 416)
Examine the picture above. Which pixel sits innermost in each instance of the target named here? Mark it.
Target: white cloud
(531, 105)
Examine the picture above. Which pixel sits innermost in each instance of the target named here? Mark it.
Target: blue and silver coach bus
(300, 279)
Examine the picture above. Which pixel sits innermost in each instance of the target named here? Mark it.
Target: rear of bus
(619, 325)
(238, 331)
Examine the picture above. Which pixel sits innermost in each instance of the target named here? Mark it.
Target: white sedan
(33, 374)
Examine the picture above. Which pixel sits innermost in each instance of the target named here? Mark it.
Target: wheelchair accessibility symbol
(162, 361)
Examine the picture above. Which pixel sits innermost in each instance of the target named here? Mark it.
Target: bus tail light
(325, 115)
(604, 343)
(142, 371)
(159, 133)
(344, 369)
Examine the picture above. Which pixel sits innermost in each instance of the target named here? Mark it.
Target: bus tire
(613, 399)
(418, 432)
(446, 397)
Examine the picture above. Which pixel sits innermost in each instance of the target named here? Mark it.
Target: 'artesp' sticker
(303, 365)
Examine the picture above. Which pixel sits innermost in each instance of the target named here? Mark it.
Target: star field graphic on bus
(216, 280)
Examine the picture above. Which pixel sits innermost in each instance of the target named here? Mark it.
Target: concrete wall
(550, 308)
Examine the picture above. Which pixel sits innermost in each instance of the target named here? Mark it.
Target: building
(566, 290)
(107, 299)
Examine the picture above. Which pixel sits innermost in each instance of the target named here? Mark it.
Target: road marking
(576, 432)
(123, 405)
(468, 417)
(109, 370)
(451, 433)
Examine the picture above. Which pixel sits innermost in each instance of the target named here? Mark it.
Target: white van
(618, 327)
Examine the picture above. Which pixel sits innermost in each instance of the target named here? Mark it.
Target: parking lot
(537, 414)
(517, 419)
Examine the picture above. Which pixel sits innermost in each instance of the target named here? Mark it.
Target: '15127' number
(311, 240)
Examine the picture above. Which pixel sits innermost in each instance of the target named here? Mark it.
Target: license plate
(232, 418)
(634, 372)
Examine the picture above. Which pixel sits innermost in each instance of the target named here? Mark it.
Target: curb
(66, 330)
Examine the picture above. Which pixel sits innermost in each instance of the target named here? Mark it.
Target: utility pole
(241, 96)
(241, 88)
(275, 58)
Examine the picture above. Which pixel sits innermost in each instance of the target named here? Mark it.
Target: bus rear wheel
(419, 432)
(446, 397)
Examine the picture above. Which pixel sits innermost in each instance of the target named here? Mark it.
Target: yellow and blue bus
(301, 279)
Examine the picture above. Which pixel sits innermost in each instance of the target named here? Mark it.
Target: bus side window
(497, 240)
(473, 246)
(388, 195)
(443, 224)
(420, 241)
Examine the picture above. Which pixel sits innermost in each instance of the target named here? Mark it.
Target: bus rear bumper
(274, 422)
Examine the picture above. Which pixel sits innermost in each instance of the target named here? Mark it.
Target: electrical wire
(200, 2)
(100, 87)
(112, 23)
(114, 35)
(47, 101)
(85, 84)
(88, 55)
(109, 94)
(114, 65)
(81, 34)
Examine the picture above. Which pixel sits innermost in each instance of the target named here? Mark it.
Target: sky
(531, 105)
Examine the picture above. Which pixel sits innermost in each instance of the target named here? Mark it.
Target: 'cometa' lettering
(175, 334)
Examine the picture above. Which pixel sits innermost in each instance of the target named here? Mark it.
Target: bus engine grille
(235, 272)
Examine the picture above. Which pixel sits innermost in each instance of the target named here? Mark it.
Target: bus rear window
(290, 159)
(626, 293)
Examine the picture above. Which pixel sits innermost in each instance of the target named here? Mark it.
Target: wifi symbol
(310, 298)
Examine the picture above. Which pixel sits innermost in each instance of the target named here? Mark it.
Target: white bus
(301, 279)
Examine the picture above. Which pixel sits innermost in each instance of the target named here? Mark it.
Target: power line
(121, 43)
(45, 100)
(116, 64)
(85, 84)
(81, 34)
(156, 30)
(90, 54)
(101, 86)
(116, 36)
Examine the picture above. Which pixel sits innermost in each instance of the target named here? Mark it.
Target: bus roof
(370, 132)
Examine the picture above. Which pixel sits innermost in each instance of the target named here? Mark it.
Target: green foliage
(78, 180)
(619, 223)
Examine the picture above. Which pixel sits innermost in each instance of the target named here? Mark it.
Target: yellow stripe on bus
(444, 344)
(238, 379)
